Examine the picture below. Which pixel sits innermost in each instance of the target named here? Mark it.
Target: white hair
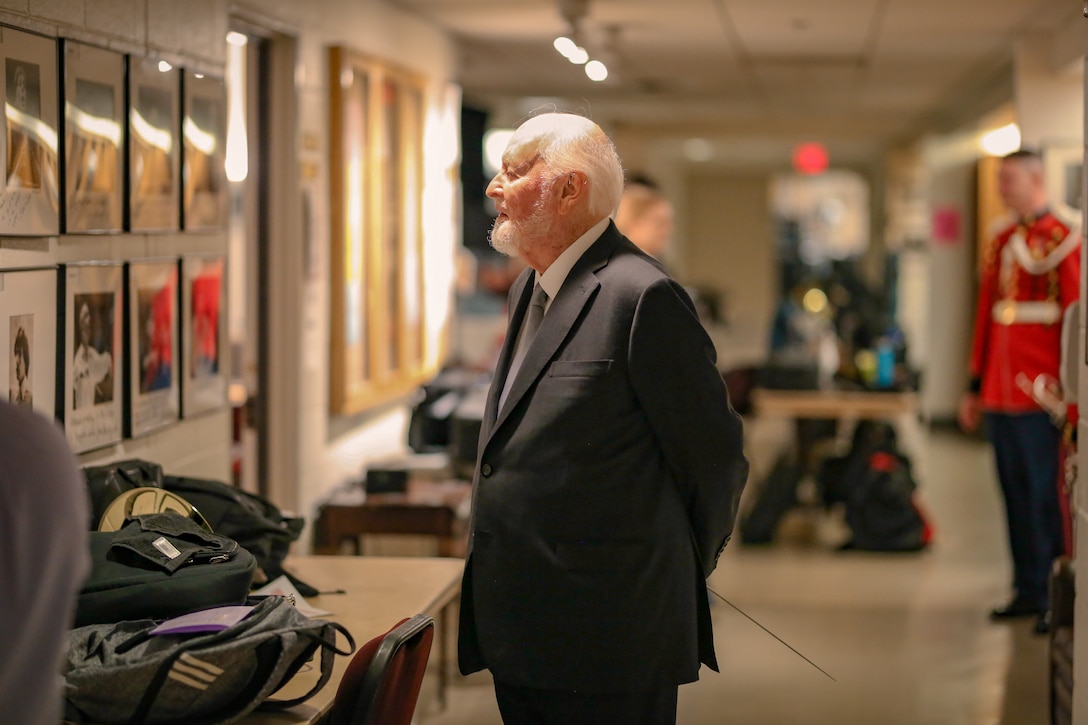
(568, 142)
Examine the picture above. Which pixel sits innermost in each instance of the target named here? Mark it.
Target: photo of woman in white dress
(92, 365)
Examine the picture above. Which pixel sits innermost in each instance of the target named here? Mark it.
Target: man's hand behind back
(970, 413)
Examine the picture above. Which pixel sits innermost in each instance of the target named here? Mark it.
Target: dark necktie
(529, 327)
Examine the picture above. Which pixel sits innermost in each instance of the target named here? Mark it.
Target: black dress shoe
(1017, 608)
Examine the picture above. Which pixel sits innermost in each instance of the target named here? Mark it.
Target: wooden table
(380, 593)
(808, 408)
(428, 508)
(834, 404)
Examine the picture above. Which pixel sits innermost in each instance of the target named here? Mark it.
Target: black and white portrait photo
(20, 388)
(92, 364)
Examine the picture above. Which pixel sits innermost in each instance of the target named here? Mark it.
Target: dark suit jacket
(605, 489)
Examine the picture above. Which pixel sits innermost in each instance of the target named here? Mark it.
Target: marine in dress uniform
(1030, 276)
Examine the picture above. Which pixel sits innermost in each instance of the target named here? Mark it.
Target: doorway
(263, 285)
(245, 252)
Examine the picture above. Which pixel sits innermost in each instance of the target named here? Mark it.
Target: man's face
(1017, 183)
(521, 194)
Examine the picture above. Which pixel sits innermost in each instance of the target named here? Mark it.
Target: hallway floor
(905, 636)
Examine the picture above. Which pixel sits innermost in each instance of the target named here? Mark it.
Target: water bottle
(885, 364)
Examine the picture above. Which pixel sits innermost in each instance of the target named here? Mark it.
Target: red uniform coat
(1030, 276)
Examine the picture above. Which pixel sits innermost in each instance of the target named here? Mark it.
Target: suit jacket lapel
(577, 290)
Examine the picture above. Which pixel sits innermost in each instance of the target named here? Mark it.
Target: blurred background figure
(1030, 277)
(645, 216)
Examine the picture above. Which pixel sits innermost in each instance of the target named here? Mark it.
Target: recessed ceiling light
(578, 56)
(1002, 140)
(565, 46)
(698, 150)
(596, 70)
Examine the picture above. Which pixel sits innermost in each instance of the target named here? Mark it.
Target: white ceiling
(875, 70)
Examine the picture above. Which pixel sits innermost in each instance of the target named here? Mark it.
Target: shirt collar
(554, 276)
(1034, 217)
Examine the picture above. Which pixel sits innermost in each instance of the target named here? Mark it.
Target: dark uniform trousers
(530, 706)
(1026, 448)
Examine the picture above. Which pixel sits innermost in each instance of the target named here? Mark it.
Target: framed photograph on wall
(29, 202)
(28, 329)
(154, 149)
(94, 123)
(153, 384)
(377, 348)
(204, 157)
(203, 329)
(93, 296)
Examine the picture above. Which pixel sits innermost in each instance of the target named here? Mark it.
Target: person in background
(1030, 275)
(610, 460)
(46, 556)
(645, 217)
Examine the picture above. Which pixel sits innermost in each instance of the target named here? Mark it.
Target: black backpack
(105, 483)
(875, 482)
(881, 509)
(254, 522)
(777, 495)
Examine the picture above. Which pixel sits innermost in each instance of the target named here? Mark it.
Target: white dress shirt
(551, 282)
(554, 276)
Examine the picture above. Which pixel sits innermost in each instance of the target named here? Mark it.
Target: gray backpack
(120, 673)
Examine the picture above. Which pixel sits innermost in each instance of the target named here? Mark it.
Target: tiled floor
(905, 636)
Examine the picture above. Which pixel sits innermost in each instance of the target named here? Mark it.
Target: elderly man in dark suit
(610, 461)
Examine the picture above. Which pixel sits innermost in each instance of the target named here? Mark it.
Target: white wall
(326, 461)
(191, 33)
(729, 247)
(1049, 103)
(951, 169)
(188, 35)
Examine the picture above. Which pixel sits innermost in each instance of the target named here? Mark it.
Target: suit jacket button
(485, 470)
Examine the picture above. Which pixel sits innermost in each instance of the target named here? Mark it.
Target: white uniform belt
(1009, 312)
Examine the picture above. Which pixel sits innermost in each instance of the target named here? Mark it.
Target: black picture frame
(153, 384)
(30, 195)
(205, 194)
(204, 333)
(93, 172)
(28, 335)
(154, 149)
(91, 341)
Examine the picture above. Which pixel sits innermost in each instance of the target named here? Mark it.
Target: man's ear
(573, 191)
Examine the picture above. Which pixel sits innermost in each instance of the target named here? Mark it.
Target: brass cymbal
(148, 500)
